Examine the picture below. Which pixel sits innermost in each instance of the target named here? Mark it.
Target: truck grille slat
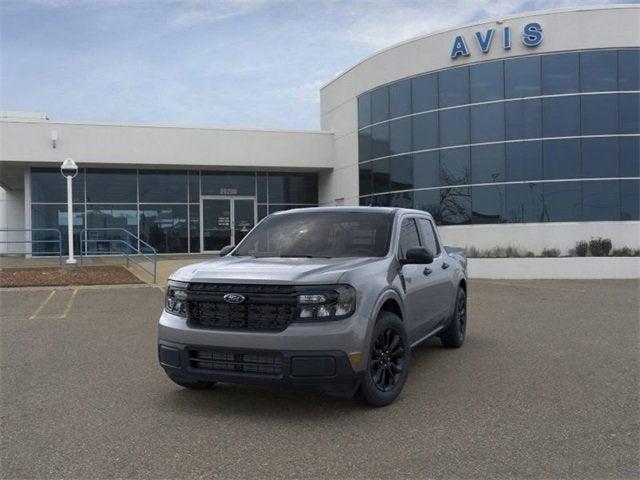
(237, 362)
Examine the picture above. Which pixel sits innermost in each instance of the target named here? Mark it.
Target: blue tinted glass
(600, 157)
(426, 169)
(600, 201)
(455, 206)
(522, 77)
(380, 104)
(561, 159)
(487, 81)
(366, 178)
(630, 156)
(194, 186)
(629, 200)
(629, 112)
(560, 73)
(402, 200)
(425, 131)
(454, 166)
(114, 217)
(163, 186)
(164, 227)
(400, 98)
(380, 201)
(487, 123)
(523, 119)
(429, 201)
(365, 145)
(263, 211)
(599, 114)
(561, 116)
(380, 140)
(524, 203)
(194, 228)
(400, 135)
(454, 87)
(401, 172)
(380, 172)
(53, 216)
(293, 188)
(629, 69)
(424, 91)
(488, 204)
(562, 202)
(487, 164)
(364, 110)
(49, 186)
(599, 71)
(106, 186)
(523, 161)
(261, 186)
(454, 127)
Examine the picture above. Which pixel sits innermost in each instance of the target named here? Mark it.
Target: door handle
(445, 265)
(426, 271)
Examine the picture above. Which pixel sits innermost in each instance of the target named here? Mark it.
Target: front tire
(188, 383)
(454, 335)
(388, 364)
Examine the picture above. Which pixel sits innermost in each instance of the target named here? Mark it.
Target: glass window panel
(424, 92)
(524, 203)
(53, 216)
(366, 178)
(364, 110)
(426, 169)
(560, 73)
(561, 159)
(380, 201)
(163, 186)
(487, 123)
(115, 218)
(522, 77)
(429, 201)
(600, 201)
(599, 114)
(402, 200)
(454, 166)
(454, 87)
(401, 172)
(293, 188)
(194, 227)
(164, 227)
(194, 186)
(48, 185)
(487, 164)
(365, 145)
(629, 112)
(400, 98)
(380, 140)
(562, 201)
(561, 116)
(455, 206)
(454, 127)
(629, 69)
(523, 161)
(380, 104)
(600, 157)
(599, 71)
(112, 186)
(487, 81)
(381, 175)
(630, 156)
(523, 119)
(409, 237)
(488, 204)
(428, 236)
(425, 131)
(400, 135)
(261, 185)
(629, 200)
(263, 211)
(228, 183)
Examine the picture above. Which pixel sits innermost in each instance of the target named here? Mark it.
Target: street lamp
(69, 169)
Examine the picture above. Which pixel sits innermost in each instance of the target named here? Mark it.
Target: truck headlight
(327, 303)
(176, 299)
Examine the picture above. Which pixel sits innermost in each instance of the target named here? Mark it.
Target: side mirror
(417, 256)
(226, 250)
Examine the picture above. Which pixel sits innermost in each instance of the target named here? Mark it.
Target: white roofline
(481, 22)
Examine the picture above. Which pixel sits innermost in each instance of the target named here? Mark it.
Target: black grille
(237, 362)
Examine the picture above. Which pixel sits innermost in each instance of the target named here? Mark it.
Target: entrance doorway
(225, 221)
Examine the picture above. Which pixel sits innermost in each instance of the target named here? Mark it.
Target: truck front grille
(236, 362)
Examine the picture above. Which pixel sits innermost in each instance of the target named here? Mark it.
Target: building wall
(11, 217)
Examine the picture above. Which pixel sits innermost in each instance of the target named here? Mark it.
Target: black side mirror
(417, 256)
(226, 250)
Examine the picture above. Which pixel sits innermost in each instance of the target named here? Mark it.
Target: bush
(550, 252)
(600, 247)
(625, 252)
(582, 248)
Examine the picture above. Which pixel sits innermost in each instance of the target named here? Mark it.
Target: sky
(220, 63)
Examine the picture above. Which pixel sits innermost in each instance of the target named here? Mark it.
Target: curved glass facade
(541, 138)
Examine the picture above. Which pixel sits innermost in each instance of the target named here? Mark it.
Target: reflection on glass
(487, 164)
(424, 92)
(454, 166)
(454, 87)
(630, 157)
(216, 224)
(599, 114)
(455, 206)
(561, 116)
(523, 119)
(487, 81)
(380, 140)
(293, 187)
(487, 123)
(164, 227)
(524, 203)
(429, 201)
(381, 175)
(523, 161)
(194, 227)
(112, 186)
(426, 169)
(629, 112)
(365, 145)
(364, 110)
(163, 186)
(380, 104)
(48, 185)
(400, 135)
(115, 218)
(228, 183)
(561, 159)
(560, 73)
(400, 98)
(600, 157)
(629, 69)
(243, 219)
(629, 200)
(366, 179)
(53, 216)
(425, 131)
(454, 127)
(401, 172)
(194, 186)
(600, 201)
(522, 77)
(488, 204)
(562, 201)
(599, 71)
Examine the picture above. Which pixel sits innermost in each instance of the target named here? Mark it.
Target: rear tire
(188, 383)
(388, 361)
(454, 335)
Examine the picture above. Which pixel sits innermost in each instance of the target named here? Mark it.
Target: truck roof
(353, 209)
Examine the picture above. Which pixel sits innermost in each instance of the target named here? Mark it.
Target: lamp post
(69, 169)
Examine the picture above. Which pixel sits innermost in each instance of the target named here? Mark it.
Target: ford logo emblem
(233, 298)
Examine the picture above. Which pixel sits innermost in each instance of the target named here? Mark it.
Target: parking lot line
(42, 305)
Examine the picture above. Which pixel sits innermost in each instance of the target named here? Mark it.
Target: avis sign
(531, 37)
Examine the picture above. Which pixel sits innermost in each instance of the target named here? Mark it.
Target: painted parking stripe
(42, 305)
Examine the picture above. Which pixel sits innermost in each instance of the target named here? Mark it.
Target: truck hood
(269, 270)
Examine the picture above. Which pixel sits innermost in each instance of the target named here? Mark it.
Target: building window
(163, 186)
(486, 81)
(400, 99)
(424, 93)
(112, 186)
(453, 87)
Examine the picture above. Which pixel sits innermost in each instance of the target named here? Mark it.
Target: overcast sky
(243, 63)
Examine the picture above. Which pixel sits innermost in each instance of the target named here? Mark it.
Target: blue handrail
(127, 249)
(32, 241)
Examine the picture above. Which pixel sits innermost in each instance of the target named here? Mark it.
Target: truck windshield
(319, 234)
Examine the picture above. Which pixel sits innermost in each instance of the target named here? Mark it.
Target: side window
(429, 236)
(409, 237)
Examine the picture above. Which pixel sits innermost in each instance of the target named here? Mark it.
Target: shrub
(550, 252)
(600, 247)
(582, 248)
(624, 252)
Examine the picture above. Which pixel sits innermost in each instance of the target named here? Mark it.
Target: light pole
(69, 169)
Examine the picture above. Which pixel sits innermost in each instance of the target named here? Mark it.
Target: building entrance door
(225, 221)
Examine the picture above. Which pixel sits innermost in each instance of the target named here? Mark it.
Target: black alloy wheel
(387, 360)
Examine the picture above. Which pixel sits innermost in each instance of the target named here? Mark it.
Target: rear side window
(409, 237)
(429, 236)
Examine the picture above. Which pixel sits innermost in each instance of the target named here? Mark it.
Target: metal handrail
(32, 241)
(126, 250)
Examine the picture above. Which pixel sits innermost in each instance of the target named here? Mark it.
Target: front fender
(389, 293)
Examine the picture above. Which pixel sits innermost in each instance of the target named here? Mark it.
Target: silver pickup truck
(327, 298)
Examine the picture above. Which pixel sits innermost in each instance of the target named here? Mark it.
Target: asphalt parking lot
(545, 387)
